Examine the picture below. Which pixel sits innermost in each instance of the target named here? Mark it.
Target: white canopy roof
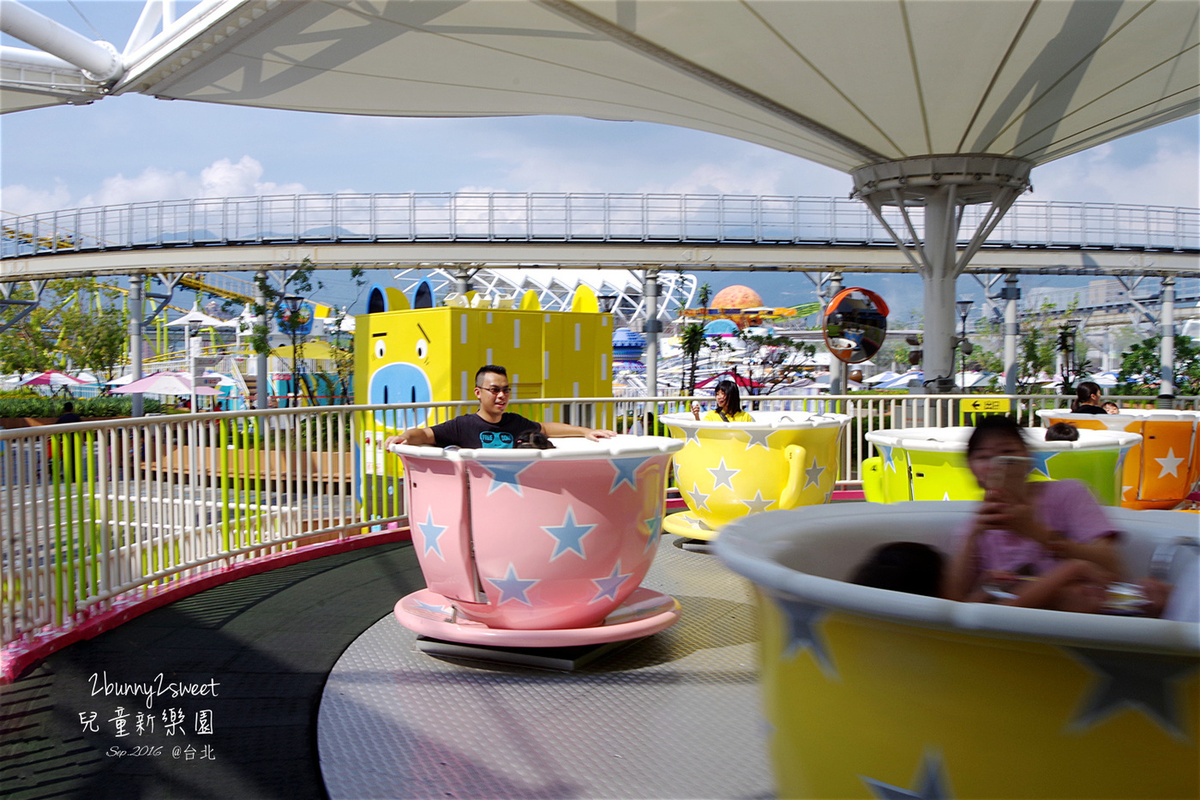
(201, 320)
(842, 83)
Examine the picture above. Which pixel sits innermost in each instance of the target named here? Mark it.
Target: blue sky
(135, 148)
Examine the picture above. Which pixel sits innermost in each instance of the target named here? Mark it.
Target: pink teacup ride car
(538, 548)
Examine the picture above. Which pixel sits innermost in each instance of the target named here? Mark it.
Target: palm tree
(691, 340)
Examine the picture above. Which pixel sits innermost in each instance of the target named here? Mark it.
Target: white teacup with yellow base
(726, 470)
(877, 693)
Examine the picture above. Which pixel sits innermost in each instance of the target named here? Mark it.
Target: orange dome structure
(736, 296)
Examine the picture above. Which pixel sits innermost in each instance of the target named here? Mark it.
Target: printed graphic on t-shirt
(496, 440)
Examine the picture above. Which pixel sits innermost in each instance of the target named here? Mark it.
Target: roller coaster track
(202, 283)
(231, 287)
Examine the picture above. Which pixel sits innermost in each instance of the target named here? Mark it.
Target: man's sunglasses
(496, 389)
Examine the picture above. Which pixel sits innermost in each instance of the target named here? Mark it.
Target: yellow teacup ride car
(931, 463)
(726, 470)
(872, 693)
(1164, 468)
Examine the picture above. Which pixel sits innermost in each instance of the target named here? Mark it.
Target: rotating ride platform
(394, 722)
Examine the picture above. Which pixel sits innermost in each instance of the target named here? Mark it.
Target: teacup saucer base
(644, 612)
(688, 525)
(559, 659)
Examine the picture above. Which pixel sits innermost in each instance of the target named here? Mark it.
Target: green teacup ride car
(931, 463)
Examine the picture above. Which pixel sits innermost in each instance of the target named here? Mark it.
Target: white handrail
(566, 217)
(95, 516)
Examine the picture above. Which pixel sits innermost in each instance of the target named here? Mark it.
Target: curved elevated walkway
(609, 231)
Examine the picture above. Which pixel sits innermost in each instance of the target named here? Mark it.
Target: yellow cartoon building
(411, 351)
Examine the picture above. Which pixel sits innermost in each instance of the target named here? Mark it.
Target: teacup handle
(872, 478)
(796, 456)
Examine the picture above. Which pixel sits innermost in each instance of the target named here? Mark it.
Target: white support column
(944, 186)
(136, 301)
(651, 329)
(1166, 391)
(462, 280)
(194, 370)
(1012, 331)
(260, 360)
(940, 293)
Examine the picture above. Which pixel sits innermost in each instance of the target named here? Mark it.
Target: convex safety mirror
(855, 324)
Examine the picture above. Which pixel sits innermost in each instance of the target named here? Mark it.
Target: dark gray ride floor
(674, 715)
(268, 641)
(319, 692)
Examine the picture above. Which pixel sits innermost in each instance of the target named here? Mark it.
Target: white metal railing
(569, 217)
(98, 515)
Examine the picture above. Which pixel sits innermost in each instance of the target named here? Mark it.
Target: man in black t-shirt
(491, 426)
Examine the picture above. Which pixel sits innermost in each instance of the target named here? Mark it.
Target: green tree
(303, 282)
(1037, 349)
(691, 342)
(1142, 364)
(894, 354)
(774, 354)
(1069, 344)
(76, 322)
(95, 339)
(29, 346)
(342, 348)
(300, 282)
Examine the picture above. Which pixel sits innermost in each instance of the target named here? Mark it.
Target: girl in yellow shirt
(729, 405)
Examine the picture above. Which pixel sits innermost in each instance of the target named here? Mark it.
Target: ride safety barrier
(101, 519)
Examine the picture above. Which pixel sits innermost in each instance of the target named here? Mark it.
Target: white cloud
(736, 168)
(20, 199)
(733, 178)
(153, 184)
(548, 171)
(222, 178)
(226, 179)
(1165, 173)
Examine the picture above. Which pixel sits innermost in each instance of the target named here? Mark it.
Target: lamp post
(964, 308)
(193, 343)
(294, 302)
(1066, 346)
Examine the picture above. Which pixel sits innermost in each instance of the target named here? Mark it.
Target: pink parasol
(174, 383)
(51, 378)
(741, 380)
